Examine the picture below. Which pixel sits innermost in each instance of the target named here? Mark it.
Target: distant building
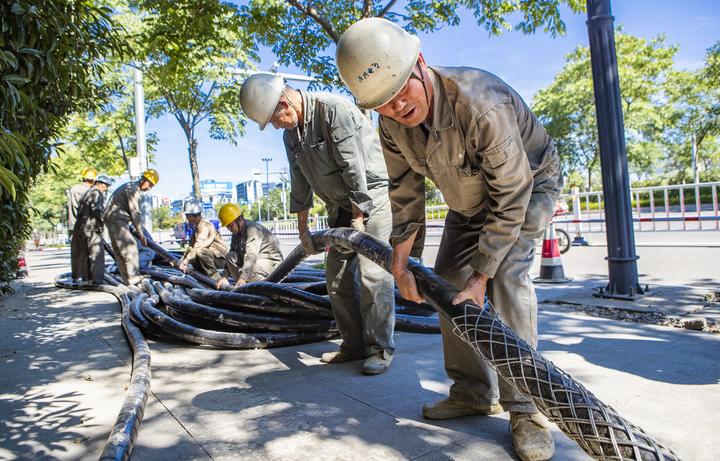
(268, 187)
(176, 206)
(216, 191)
(249, 191)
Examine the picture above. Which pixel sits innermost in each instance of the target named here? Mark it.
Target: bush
(52, 56)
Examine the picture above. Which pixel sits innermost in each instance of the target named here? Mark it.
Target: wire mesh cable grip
(596, 427)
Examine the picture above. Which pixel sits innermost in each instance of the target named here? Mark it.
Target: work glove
(358, 224)
(307, 243)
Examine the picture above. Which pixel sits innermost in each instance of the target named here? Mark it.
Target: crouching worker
(86, 250)
(254, 250)
(122, 209)
(207, 250)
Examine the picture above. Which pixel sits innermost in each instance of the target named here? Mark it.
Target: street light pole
(267, 161)
(141, 146)
(622, 260)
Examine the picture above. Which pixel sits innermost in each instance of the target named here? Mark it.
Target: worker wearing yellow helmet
(122, 209)
(254, 250)
(498, 170)
(75, 193)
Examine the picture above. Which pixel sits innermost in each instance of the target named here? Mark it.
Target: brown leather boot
(448, 409)
(531, 436)
(339, 356)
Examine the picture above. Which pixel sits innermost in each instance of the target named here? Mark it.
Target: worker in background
(499, 172)
(87, 254)
(334, 152)
(254, 250)
(207, 250)
(124, 208)
(75, 193)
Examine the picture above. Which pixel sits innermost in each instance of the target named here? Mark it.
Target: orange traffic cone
(551, 268)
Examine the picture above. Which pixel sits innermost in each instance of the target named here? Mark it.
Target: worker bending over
(498, 171)
(334, 152)
(124, 208)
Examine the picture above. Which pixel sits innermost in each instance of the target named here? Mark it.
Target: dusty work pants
(263, 267)
(126, 250)
(362, 293)
(207, 263)
(511, 292)
(87, 256)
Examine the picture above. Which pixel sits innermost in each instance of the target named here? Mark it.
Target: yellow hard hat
(229, 213)
(88, 173)
(151, 175)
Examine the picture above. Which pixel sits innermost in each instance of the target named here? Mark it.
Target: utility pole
(141, 146)
(267, 161)
(622, 259)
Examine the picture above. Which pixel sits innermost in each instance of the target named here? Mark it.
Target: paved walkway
(64, 366)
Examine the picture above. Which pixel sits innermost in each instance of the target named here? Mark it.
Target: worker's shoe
(377, 363)
(448, 408)
(531, 436)
(339, 356)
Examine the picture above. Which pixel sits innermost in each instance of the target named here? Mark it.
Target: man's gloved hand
(183, 267)
(358, 224)
(143, 240)
(307, 243)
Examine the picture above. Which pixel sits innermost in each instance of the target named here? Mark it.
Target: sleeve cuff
(402, 233)
(486, 265)
(362, 201)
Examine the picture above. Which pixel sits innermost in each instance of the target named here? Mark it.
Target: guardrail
(686, 207)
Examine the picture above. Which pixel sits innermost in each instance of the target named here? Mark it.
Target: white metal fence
(687, 207)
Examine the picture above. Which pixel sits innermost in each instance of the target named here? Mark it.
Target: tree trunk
(194, 170)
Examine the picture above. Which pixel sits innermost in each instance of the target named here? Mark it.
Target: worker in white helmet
(87, 254)
(334, 152)
(498, 171)
(207, 249)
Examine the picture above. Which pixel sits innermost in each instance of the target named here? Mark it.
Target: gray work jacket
(90, 213)
(205, 236)
(484, 150)
(124, 206)
(254, 243)
(337, 155)
(74, 194)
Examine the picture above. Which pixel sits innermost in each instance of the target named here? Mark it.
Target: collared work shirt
(90, 213)
(484, 149)
(205, 236)
(74, 194)
(337, 155)
(124, 206)
(254, 243)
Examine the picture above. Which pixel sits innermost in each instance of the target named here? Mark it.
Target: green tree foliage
(52, 53)
(163, 218)
(304, 32)
(694, 118)
(189, 52)
(567, 107)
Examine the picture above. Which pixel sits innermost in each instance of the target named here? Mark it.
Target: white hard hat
(192, 206)
(259, 96)
(375, 58)
(105, 179)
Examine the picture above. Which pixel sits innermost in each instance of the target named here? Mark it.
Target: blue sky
(527, 62)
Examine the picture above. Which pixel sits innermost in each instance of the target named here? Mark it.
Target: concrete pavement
(64, 366)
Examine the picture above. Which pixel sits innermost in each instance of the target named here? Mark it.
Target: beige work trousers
(511, 292)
